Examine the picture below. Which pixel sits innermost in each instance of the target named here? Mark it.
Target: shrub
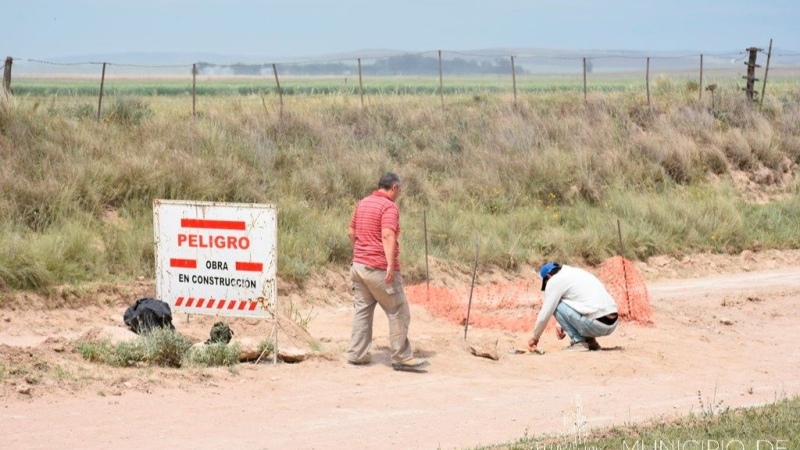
(160, 347)
(211, 355)
(128, 111)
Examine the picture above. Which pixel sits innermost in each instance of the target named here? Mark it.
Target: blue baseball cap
(545, 270)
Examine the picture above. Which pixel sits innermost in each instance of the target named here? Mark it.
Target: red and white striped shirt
(372, 215)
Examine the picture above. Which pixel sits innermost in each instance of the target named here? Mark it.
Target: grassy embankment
(768, 427)
(548, 179)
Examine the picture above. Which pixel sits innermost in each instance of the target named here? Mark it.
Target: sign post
(216, 258)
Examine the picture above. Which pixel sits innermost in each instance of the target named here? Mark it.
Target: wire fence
(422, 73)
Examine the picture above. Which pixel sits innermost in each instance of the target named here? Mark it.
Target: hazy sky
(307, 28)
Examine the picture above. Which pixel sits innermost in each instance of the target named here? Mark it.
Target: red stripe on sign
(231, 304)
(179, 301)
(253, 306)
(185, 263)
(242, 304)
(221, 304)
(249, 266)
(200, 303)
(210, 303)
(213, 224)
(189, 303)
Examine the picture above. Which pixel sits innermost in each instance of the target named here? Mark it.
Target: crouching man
(581, 304)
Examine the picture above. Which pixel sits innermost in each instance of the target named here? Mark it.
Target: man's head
(549, 269)
(390, 183)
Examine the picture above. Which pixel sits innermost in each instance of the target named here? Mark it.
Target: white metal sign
(216, 258)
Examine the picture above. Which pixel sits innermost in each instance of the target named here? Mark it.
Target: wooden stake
(441, 83)
(619, 235)
(102, 82)
(425, 232)
(278, 83)
(766, 71)
(7, 75)
(194, 90)
(360, 84)
(701, 78)
(275, 334)
(514, 80)
(469, 305)
(647, 81)
(584, 79)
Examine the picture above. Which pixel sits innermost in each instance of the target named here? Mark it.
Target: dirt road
(718, 341)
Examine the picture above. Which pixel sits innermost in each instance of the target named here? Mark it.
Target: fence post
(441, 83)
(100, 100)
(7, 75)
(194, 90)
(766, 71)
(647, 81)
(749, 88)
(278, 83)
(584, 79)
(701, 78)
(514, 80)
(360, 84)
(425, 234)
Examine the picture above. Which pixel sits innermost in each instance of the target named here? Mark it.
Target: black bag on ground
(148, 313)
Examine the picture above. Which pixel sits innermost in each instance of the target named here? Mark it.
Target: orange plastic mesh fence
(627, 286)
(509, 306)
(514, 306)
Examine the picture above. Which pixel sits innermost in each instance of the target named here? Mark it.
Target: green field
(212, 85)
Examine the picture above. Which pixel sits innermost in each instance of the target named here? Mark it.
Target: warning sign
(216, 258)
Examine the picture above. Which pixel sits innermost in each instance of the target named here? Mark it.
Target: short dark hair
(388, 180)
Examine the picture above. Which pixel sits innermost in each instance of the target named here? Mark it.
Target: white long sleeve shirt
(580, 290)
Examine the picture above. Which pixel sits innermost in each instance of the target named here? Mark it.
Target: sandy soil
(723, 336)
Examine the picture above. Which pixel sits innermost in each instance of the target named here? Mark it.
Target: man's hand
(389, 278)
(532, 343)
(560, 332)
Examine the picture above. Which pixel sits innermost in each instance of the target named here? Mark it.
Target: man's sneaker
(593, 345)
(365, 361)
(580, 346)
(410, 364)
(358, 363)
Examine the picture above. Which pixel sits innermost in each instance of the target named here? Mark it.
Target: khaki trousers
(369, 290)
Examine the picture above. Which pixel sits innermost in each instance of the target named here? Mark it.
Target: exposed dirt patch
(722, 329)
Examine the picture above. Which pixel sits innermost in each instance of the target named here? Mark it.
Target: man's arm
(548, 308)
(351, 233)
(389, 239)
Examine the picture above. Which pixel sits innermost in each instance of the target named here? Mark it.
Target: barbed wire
(151, 66)
(375, 58)
(319, 61)
(478, 55)
(53, 63)
(96, 63)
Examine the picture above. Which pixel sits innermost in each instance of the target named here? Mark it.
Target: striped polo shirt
(372, 214)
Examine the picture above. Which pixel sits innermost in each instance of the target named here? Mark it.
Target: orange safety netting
(514, 306)
(509, 306)
(627, 286)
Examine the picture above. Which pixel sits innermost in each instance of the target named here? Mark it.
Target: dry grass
(546, 179)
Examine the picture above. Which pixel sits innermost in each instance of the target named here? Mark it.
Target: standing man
(581, 304)
(374, 231)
